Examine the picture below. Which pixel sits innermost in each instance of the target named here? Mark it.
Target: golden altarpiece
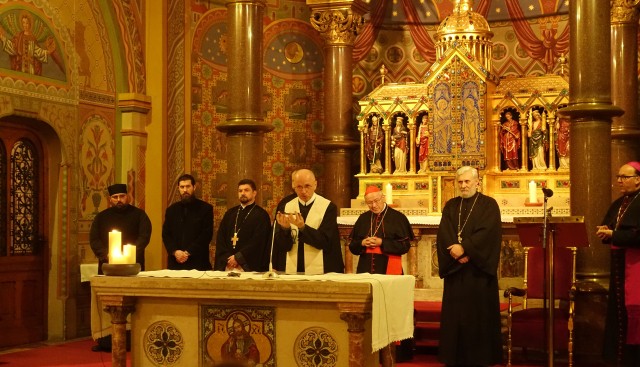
(414, 136)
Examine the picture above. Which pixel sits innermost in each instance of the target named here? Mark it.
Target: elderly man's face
(305, 186)
(628, 180)
(375, 202)
(467, 184)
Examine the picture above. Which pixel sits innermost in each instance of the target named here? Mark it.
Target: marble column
(338, 23)
(625, 131)
(245, 126)
(135, 109)
(119, 307)
(355, 315)
(590, 111)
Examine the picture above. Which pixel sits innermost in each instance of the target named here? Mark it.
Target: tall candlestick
(388, 193)
(115, 244)
(532, 192)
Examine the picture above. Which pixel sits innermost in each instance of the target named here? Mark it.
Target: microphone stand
(548, 291)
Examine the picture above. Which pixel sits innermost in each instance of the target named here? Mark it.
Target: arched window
(24, 204)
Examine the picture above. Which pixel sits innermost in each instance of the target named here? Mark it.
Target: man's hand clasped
(181, 256)
(457, 252)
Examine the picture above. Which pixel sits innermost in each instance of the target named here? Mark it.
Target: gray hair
(464, 169)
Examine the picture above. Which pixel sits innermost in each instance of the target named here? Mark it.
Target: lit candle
(115, 243)
(388, 193)
(129, 254)
(532, 192)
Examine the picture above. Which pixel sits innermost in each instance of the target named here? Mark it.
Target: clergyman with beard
(468, 244)
(242, 242)
(188, 229)
(132, 222)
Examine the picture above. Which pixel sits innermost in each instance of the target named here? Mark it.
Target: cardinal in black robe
(468, 247)
(380, 236)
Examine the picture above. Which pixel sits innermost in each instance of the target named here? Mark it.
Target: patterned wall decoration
(315, 347)
(163, 343)
(292, 91)
(97, 150)
(242, 334)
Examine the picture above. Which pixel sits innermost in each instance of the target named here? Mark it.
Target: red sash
(394, 263)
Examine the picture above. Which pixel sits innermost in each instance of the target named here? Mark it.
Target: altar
(187, 318)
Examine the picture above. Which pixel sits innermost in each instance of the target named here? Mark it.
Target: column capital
(134, 102)
(338, 22)
(624, 11)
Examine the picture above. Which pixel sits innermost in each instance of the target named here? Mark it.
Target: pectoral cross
(459, 237)
(234, 239)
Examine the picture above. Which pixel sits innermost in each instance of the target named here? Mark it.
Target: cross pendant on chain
(234, 239)
(459, 237)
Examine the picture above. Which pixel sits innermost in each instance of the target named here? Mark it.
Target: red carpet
(74, 353)
(78, 353)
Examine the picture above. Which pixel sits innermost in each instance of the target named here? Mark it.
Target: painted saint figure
(442, 127)
(422, 141)
(373, 145)
(470, 122)
(25, 53)
(399, 146)
(538, 143)
(562, 143)
(240, 346)
(510, 141)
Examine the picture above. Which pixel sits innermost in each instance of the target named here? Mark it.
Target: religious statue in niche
(510, 141)
(470, 117)
(562, 143)
(399, 145)
(27, 49)
(373, 144)
(422, 142)
(538, 144)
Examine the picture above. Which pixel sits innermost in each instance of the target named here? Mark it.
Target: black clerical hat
(117, 189)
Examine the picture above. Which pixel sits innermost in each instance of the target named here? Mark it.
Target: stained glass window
(24, 198)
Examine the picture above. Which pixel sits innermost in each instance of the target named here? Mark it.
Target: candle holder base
(527, 203)
(120, 270)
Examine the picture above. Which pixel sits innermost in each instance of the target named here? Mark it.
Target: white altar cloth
(392, 305)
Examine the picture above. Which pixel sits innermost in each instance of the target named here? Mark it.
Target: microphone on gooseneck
(271, 273)
(547, 192)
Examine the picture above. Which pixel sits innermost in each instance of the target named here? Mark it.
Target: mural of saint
(442, 127)
(28, 51)
(470, 125)
(538, 143)
(399, 146)
(510, 141)
(240, 346)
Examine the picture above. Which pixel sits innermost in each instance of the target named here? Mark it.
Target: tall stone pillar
(625, 131)
(338, 23)
(245, 125)
(135, 109)
(590, 111)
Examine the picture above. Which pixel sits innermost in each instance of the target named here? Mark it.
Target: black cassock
(253, 229)
(395, 231)
(470, 320)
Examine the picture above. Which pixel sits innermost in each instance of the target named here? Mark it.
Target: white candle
(116, 257)
(388, 193)
(115, 243)
(129, 254)
(532, 192)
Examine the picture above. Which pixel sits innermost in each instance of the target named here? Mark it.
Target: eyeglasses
(376, 201)
(624, 178)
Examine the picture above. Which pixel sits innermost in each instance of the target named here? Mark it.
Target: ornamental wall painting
(29, 44)
(238, 334)
(97, 152)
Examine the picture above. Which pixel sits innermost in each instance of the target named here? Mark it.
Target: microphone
(270, 274)
(547, 192)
